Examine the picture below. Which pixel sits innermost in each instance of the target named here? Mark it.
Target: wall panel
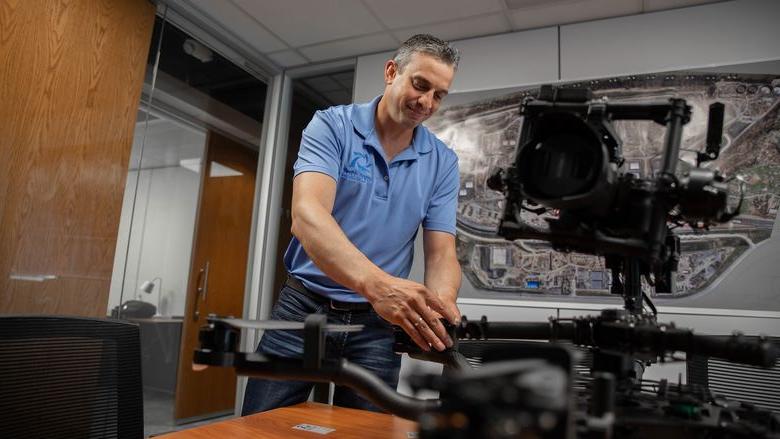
(717, 34)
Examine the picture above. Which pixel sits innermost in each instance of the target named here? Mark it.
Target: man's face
(416, 92)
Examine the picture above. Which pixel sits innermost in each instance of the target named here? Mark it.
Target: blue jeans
(371, 348)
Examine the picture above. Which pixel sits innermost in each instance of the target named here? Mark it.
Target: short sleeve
(321, 146)
(444, 203)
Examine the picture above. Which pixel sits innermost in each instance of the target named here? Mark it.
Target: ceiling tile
(240, 24)
(571, 11)
(659, 5)
(459, 29)
(287, 58)
(302, 22)
(323, 83)
(346, 79)
(350, 47)
(405, 13)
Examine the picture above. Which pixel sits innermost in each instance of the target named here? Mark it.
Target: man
(366, 177)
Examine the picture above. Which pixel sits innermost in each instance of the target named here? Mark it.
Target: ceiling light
(197, 50)
(217, 169)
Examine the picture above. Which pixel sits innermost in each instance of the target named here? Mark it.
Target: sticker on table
(313, 428)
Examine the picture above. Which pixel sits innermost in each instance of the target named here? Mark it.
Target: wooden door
(70, 81)
(217, 276)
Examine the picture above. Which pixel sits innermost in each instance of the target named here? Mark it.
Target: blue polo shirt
(379, 205)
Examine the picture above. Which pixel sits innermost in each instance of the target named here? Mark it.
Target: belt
(337, 305)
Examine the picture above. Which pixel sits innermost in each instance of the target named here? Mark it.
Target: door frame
(267, 211)
(266, 214)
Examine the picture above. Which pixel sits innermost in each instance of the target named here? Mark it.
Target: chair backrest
(739, 382)
(70, 377)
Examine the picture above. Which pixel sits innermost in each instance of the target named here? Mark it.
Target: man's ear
(391, 71)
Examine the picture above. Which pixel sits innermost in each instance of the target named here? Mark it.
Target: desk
(347, 423)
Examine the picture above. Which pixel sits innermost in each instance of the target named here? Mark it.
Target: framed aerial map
(484, 132)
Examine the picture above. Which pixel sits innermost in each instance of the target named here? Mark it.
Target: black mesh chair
(70, 377)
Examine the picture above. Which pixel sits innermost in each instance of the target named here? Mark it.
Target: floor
(158, 414)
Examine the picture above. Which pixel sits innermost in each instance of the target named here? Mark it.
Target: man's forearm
(331, 250)
(442, 270)
(443, 275)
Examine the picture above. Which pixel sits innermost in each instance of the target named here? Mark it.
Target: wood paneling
(222, 241)
(71, 74)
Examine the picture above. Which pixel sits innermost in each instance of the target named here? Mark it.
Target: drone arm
(342, 373)
(627, 337)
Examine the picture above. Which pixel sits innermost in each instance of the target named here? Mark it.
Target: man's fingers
(437, 304)
(410, 329)
(432, 310)
(424, 327)
(434, 331)
(432, 318)
(454, 308)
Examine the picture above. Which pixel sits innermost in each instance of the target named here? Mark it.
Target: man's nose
(426, 100)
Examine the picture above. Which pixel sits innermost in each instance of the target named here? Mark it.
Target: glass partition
(195, 147)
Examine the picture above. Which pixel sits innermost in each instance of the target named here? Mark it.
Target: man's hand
(414, 308)
(449, 303)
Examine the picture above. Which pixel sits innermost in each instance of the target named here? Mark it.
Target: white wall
(735, 32)
(728, 33)
(162, 236)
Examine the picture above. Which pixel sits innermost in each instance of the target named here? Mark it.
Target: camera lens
(564, 158)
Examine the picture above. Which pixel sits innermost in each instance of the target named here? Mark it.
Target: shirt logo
(359, 168)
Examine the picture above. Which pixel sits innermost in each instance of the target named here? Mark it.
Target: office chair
(735, 381)
(70, 377)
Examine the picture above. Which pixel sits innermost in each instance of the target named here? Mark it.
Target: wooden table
(279, 423)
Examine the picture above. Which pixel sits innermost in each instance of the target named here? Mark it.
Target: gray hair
(429, 45)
